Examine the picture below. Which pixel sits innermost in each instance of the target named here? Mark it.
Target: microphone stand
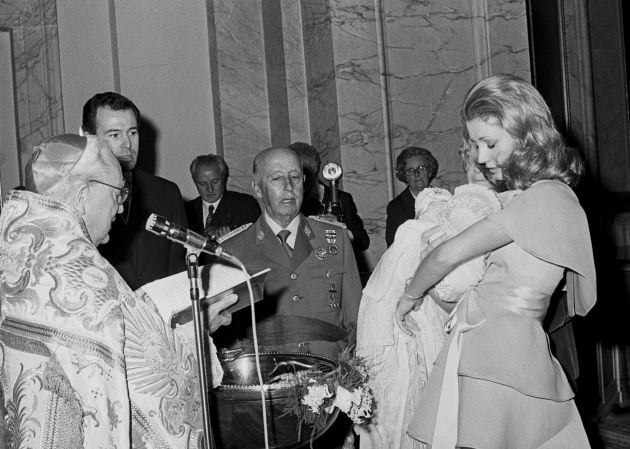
(192, 264)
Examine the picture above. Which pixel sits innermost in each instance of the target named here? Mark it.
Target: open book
(171, 294)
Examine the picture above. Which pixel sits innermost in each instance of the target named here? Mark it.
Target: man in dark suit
(138, 255)
(317, 195)
(216, 210)
(312, 294)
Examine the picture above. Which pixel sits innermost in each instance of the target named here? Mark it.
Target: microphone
(161, 226)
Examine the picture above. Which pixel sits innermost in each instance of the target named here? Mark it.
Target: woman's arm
(478, 239)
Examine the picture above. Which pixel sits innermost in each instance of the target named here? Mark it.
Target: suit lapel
(196, 216)
(410, 201)
(136, 215)
(222, 216)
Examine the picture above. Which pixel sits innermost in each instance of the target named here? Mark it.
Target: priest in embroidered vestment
(84, 361)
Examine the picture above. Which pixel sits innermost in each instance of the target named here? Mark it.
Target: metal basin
(237, 403)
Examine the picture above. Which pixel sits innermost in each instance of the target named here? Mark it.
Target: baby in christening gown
(400, 365)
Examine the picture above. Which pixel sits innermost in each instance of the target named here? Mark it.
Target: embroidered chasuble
(84, 361)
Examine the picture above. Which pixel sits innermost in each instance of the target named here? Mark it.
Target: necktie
(283, 236)
(207, 229)
(127, 205)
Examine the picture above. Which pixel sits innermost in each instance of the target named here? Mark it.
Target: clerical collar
(293, 226)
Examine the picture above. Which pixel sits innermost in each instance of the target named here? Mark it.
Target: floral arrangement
(317, 391)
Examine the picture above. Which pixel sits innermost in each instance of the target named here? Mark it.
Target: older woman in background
(416, 167)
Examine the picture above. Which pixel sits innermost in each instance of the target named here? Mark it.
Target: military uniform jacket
(320, 282)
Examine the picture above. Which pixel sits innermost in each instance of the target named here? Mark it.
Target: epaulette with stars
(234, 232)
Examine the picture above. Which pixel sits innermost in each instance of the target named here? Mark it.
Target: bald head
(279, 183)
(271, 154)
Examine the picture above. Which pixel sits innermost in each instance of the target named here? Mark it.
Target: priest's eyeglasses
(123, 192)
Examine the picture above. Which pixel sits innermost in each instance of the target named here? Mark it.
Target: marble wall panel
(33, 25)
(579, 80)
(242, 85)
(275, 72)
(321, 88)
(163, 64)
(295, 74)
(433, 55)
(9, 162)
(509, 48)
(361, 113)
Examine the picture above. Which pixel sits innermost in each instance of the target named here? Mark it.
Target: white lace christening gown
(400, 365)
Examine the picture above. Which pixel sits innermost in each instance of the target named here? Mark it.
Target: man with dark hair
(138, 255)
(216, 210)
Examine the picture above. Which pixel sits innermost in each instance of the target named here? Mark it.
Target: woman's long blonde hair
(540, 151)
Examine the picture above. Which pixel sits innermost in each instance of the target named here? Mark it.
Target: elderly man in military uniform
(312, 294)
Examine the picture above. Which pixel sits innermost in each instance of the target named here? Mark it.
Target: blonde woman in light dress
(400, 364)
(495, 384)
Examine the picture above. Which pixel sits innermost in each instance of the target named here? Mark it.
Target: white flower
(363, 409)
(315, 397)
(344, 399)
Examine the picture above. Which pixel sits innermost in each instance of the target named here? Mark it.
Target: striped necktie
(209, 219)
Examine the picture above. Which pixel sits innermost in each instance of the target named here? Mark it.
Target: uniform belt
(282, 329)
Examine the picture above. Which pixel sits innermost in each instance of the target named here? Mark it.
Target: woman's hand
(405, 321)
(430, 239)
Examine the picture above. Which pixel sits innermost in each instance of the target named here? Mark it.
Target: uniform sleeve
(351, 289)
(547, 221)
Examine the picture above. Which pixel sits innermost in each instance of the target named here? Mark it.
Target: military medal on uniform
(331, 238)
(321, 253)
(332, 297)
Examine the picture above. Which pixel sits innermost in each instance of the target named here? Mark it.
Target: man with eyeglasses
(85, 361)
(416, 167)
(138, 255)
(123, 192)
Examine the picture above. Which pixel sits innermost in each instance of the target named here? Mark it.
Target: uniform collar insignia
(306, 227)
